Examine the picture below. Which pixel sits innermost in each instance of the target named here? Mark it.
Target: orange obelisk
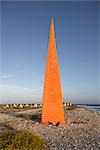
(52, 109)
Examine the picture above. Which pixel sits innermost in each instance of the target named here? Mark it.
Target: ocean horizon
(94, 107)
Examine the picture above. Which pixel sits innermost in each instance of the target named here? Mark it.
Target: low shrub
(19, 115)
(20, 140)
(35, 117)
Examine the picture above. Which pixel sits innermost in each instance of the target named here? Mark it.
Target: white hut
(21, 106)
(35, 105)
(15, 105)
(6, 106)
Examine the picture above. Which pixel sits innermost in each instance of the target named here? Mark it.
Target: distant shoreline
(89, 104)
(94, 107)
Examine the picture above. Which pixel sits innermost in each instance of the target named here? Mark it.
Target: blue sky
(24, 39)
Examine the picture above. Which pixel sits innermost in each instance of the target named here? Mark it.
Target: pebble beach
(80, 132)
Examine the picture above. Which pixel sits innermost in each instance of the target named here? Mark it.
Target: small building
(21, 106)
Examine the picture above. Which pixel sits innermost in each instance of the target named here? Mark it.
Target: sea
(94, 107)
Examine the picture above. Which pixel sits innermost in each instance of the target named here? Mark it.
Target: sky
(24, 39)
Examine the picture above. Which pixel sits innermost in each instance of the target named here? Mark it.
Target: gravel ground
(81, 131)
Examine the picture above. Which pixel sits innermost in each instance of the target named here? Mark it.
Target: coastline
(93, 107)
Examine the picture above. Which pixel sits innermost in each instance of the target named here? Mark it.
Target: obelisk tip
(52, 23)
(52, 20)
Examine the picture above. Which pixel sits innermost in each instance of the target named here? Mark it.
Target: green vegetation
(33, 117)
(20, 115)
(21, 140)
(29, 117)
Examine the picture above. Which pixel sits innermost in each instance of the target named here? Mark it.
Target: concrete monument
(52, 109)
